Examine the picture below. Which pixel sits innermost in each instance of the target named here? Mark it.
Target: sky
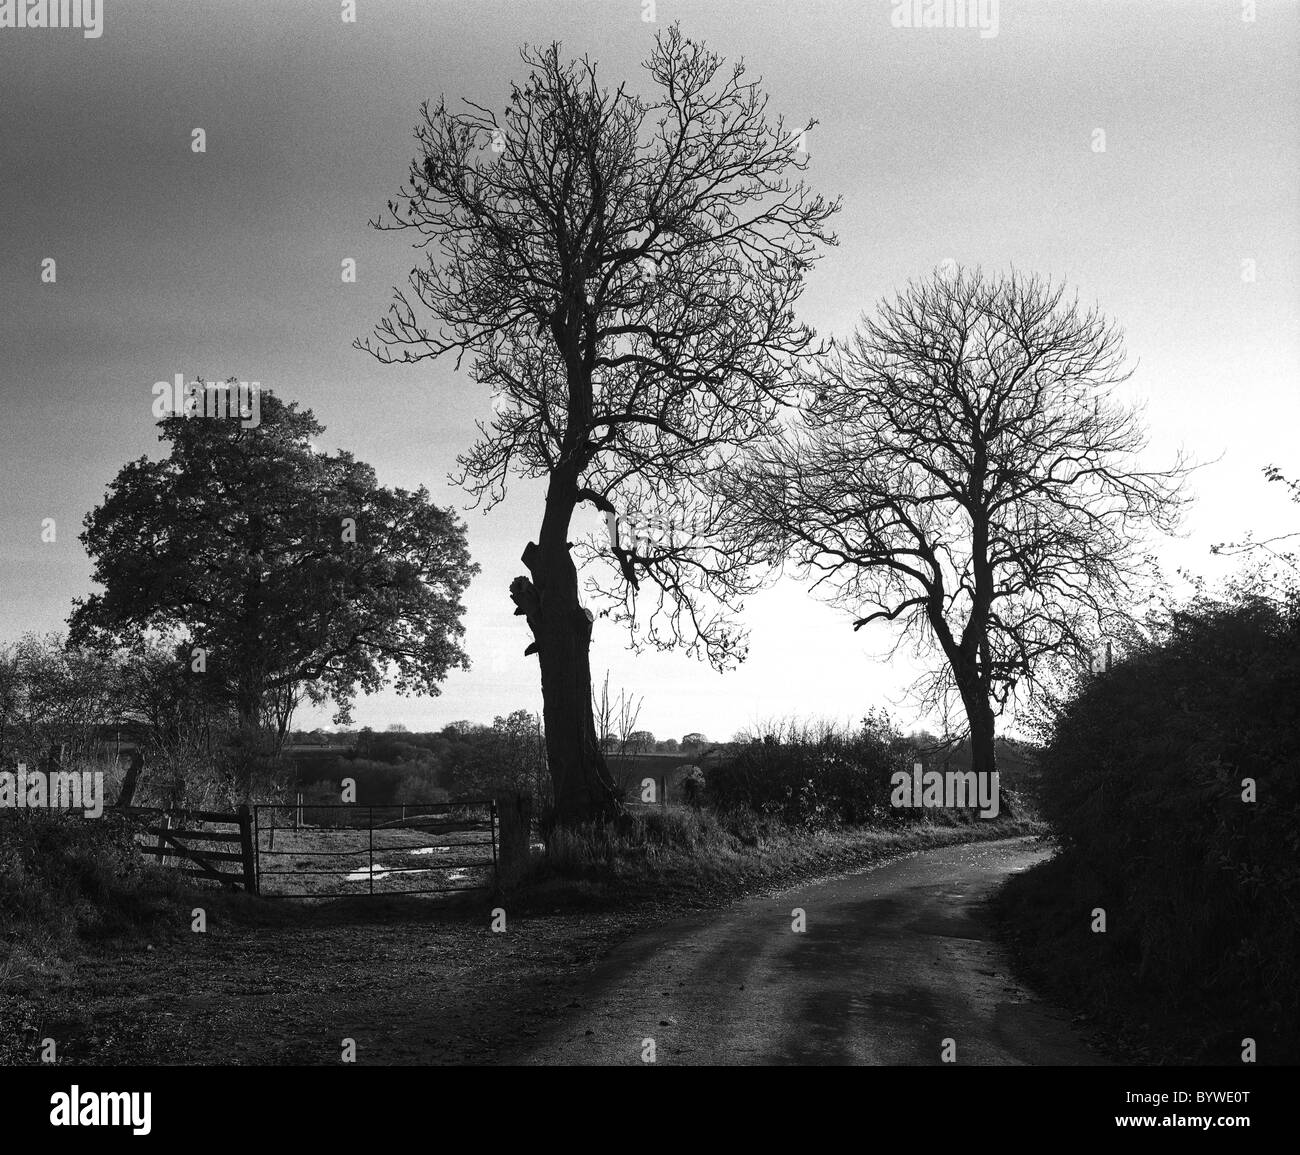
(945, 143)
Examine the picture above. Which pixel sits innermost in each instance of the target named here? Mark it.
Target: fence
(175, 833)
(467, 845)
(338, 850)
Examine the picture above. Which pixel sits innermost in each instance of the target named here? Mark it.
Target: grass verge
(686, 858)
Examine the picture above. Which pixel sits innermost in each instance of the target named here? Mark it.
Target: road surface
(894, 960)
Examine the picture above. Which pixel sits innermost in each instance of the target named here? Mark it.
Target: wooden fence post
(162, 840)
(132, 779)
(515, 819)
(246, 844)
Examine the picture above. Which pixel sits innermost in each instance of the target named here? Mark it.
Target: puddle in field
(382, 870)
(378, 870)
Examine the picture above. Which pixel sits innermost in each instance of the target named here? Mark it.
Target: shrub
(61, 874)
(815, 777)
(1143, 779)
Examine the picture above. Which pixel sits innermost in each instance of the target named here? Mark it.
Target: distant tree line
(462, 760)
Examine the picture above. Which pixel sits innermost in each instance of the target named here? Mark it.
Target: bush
(62, 874)
(654, 837)
(816, 777)
(1143, 779)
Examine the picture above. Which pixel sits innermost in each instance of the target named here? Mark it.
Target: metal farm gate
(339, 849)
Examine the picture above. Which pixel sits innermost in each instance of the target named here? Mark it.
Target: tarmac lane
(896, 965)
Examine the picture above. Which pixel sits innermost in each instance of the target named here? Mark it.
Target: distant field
(404, 860)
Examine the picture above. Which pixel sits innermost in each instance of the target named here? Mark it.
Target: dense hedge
(820, 778)
(1143, 779)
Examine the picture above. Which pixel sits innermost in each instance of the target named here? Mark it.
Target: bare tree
(616, 718)
(1286, 557)
(965, 469)
(623, 273)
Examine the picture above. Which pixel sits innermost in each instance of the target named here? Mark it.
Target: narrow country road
(893, 961)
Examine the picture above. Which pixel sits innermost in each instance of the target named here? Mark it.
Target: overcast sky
(945, 144)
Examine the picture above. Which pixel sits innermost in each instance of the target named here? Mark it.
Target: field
(420, 855)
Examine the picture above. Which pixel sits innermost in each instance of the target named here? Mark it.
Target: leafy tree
(622, 272)
(640, 742)
(51, 695)
(184, 731)
(964, 468)
(510, 754)
(287, 571)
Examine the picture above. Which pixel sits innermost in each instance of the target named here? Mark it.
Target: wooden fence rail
(176, 838)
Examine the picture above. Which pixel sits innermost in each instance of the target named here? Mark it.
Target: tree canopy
(290, 572)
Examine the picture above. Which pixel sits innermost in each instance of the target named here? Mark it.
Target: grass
(336, 860)
(688, 857)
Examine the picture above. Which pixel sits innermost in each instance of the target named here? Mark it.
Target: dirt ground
(407, 988)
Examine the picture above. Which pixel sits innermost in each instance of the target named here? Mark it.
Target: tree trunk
(983, 750)
(561, 628)
(247, 751)
(983, 753)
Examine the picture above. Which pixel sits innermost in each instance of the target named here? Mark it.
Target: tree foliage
(292, 570)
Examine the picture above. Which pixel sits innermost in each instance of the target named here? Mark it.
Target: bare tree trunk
(983, 753)
(983, 733)
(561, 628)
